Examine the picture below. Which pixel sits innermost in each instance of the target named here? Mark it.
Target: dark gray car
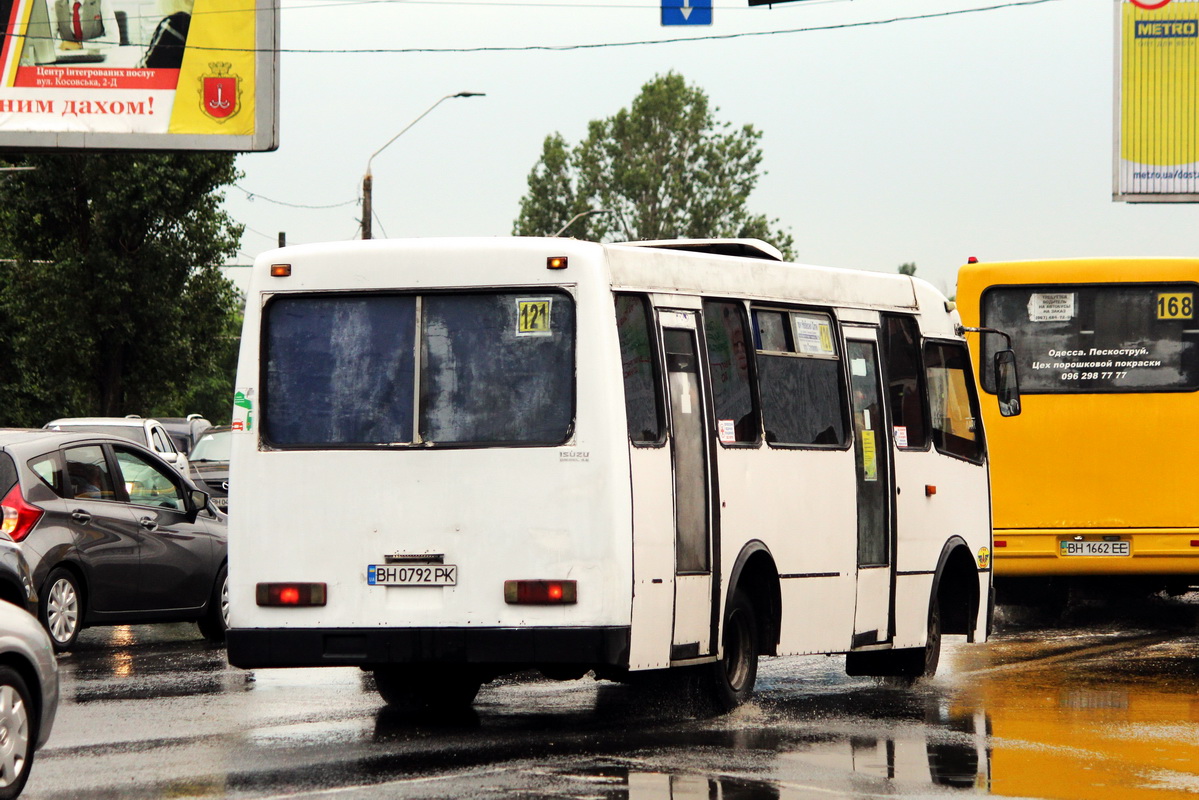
(113, 534)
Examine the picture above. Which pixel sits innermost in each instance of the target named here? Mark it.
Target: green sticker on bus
(533, 316)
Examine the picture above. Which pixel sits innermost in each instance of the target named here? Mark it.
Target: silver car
(28, 695)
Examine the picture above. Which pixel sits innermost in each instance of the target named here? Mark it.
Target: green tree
(664, 168)
(907, 268)
(111, 301)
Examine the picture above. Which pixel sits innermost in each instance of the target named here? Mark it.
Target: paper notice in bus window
(901, 435)
(533, 316)
(1051, 307)
(813, 335)
(869, 457)
(727, 430)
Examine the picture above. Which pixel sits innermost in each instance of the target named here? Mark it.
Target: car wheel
(216, 620)
(17, 733)
(61, 609)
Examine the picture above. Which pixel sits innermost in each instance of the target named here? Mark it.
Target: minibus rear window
(493, 368)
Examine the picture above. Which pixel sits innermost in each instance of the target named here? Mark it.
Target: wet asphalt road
(1103, 703)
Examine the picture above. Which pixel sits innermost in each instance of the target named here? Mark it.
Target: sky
(893, 131)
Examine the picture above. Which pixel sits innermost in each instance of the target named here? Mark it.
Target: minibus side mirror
(1007, 383)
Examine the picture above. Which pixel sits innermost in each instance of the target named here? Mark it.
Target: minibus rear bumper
(251, 648)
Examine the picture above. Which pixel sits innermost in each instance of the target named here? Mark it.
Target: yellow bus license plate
(1096, 548)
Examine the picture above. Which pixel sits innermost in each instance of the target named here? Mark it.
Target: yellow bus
(1094, 485)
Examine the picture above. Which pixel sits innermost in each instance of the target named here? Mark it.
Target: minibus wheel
(932, 646)
(733, 676)
(425, 687)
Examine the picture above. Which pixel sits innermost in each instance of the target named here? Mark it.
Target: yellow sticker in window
(1176, 305)
(533, 316)
(826, 338)
(869, 457)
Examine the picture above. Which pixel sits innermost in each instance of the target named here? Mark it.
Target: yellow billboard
(152, 74)
(1157, 101)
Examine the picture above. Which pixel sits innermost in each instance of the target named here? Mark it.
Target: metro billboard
(1157, 101)
(145, 74)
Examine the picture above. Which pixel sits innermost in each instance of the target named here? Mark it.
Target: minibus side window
(642, 398)
(905, 381)
(800, 378)
(953, 402)
(730, 366)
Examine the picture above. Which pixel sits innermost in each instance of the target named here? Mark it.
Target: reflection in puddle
(1103, 726)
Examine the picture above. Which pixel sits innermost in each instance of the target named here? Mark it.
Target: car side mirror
(1007, 383)
(197, 501)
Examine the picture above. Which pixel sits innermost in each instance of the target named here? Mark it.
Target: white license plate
(412, 575)
(1096, 549)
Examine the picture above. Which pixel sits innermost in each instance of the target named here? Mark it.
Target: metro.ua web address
(1176, 174)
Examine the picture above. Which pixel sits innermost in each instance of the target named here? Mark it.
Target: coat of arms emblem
(220, 91)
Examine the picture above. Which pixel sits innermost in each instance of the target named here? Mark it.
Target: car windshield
(130, 432)
(213, 447)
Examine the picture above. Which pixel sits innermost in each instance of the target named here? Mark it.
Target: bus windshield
(1077, 338)
(480, 368)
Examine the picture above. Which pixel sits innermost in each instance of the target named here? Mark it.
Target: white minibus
(455, 459)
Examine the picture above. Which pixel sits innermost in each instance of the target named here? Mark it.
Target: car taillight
(291, 594)
(540, 593)
(19, 516)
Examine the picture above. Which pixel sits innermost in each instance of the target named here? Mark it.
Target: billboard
(144, 74)
(1157, 101)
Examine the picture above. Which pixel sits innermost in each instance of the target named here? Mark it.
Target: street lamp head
(471, 94)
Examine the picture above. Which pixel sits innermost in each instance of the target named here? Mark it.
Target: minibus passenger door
(872, 460)
(690, 449)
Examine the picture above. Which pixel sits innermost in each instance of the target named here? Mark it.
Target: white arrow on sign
(686, 9)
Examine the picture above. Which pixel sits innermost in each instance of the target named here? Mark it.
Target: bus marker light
(555, 262)
(929, 490)
(1194, 542)
(291, 594)
(540, 593)
(1000, 543)
(280, 270)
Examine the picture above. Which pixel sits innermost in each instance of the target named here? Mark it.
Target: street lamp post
(366, 179)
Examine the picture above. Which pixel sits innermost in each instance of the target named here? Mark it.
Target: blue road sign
(686, 12)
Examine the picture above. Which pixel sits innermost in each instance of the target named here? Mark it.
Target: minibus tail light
(19, 517)
(540, 593)
(291, 594)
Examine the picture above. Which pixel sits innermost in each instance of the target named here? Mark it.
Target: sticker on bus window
(727, 430)
(533, 316)
(869, 457)
(1051, 307)
(1176, 305)
(813, 335)
(901, 435)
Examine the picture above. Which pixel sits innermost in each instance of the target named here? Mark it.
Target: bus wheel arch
(955, 593)
(755, 575)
